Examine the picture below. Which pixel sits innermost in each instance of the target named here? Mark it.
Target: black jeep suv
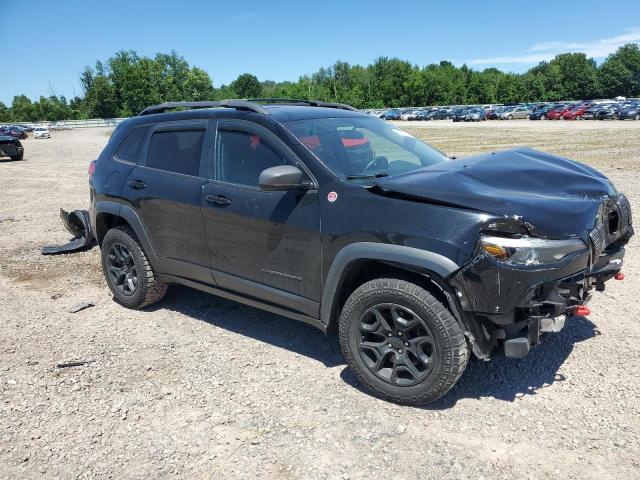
(331, 217)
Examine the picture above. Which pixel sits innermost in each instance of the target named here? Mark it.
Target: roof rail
(300, 101)
(237, 104)
(250, 104)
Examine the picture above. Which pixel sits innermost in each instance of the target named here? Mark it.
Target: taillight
(92, 168)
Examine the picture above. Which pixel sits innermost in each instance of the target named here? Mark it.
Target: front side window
(363, 146)
(131, 148)
(176, 151)
(242, 156)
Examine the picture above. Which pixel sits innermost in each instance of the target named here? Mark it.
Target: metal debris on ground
(81, 306)
(77, 363)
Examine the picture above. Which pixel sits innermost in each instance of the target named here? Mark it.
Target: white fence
(88, 123)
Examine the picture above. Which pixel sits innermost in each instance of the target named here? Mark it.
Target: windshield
(363, 146)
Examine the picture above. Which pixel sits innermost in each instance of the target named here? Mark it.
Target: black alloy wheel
(122, 270)
(396, 344)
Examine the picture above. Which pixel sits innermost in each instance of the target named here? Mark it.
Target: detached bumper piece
(79, 225)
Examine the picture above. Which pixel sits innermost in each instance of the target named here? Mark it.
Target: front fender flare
(399, 254)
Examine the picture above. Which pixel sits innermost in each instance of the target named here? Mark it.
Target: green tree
(620, 72)
(578, 76)
(23, 110)
(198, 85)
(5, 113)
(247, 86)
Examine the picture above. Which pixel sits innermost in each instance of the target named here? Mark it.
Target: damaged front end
(520, 285)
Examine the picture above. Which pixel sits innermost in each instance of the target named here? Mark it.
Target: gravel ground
(201, 387)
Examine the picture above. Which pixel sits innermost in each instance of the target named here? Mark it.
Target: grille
(597, 236)
(625, 211)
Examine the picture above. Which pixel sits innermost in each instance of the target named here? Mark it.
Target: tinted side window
(242, 156)
(176, 151)
(131, 148)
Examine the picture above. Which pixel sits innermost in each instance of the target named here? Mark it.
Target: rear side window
(176, 151)
(242, 156)
(131, 148)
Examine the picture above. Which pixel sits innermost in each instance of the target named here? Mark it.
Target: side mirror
(282, 177)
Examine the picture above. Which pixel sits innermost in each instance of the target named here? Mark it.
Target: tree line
(127, 83)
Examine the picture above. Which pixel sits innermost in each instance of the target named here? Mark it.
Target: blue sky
(51, 42)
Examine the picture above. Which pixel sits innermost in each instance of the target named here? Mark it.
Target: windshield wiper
(361, 177)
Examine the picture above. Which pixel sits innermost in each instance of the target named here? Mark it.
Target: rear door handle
(218, 200)
(137, 184)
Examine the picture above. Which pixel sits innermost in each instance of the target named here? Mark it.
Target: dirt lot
(200, 387)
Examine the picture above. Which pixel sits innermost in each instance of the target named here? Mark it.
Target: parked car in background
(423, 114)
(540, 113)
(522, 111)
(61, 126)
(590, 113)
(459, 114)
(492, 112)
(11, 147)
(41, 132)
(392, 114)
(631, 112)
(475, 115)
(11, 131)
(556, 113)
(575, 113)
(440, 114)
(410, 115)
(19, 127)
(608, 112)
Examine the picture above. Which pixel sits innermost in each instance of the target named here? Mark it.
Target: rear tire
(400, 342)
(636, 116)
(127, 270)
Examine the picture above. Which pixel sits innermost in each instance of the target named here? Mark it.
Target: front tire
(127, 270)
(400, 342)
(18, 157)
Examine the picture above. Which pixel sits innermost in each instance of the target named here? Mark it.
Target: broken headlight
(530, 251)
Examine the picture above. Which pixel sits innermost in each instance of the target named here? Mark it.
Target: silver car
(516, 112)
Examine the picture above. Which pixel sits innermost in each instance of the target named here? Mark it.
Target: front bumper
(515, 304)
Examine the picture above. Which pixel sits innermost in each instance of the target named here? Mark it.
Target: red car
(557, 113)
(576, 113)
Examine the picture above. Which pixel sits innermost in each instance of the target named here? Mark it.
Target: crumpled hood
(558, 197)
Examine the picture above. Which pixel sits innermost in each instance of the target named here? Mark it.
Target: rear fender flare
(131, 217)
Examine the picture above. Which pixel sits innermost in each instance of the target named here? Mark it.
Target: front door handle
(218, 200)
(137, 184)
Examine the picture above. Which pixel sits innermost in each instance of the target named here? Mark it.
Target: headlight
(530, 251)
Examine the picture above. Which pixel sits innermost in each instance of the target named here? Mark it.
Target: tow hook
(619, 276)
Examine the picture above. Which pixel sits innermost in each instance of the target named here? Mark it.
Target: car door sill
(252, 302)
(266, 293)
